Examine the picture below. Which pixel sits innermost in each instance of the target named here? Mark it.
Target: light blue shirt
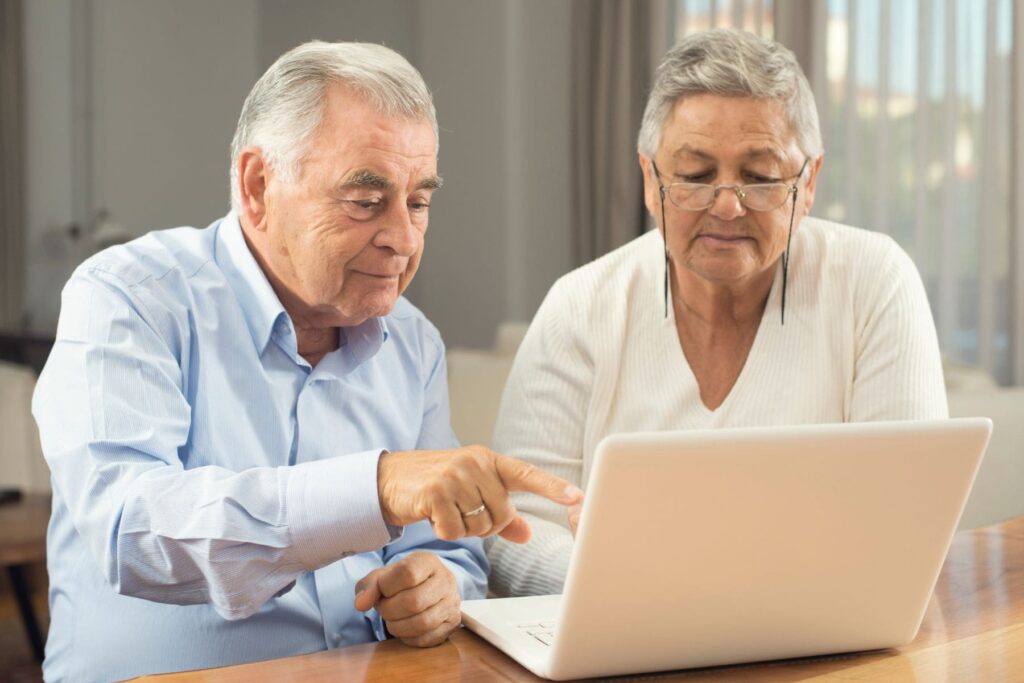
(207, 482)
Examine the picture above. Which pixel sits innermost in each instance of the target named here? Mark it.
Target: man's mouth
(381, 276)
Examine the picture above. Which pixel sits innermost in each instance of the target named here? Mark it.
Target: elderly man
(242, 421)
(739, 311)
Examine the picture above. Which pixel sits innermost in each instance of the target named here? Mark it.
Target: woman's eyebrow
(762, 152)
(689, 150)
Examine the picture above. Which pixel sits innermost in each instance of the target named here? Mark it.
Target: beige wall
(132, 103)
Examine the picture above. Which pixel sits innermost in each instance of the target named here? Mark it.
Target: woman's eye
(758, 179)
(698, 177)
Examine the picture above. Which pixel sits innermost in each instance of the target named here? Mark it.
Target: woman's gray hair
(285, 107)
(734, 64)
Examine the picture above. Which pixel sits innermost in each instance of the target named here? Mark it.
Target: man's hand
(417, 598)
(464, 491)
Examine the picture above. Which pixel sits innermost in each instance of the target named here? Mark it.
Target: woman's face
(727, 141)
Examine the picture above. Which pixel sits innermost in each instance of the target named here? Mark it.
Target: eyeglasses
(754, 196)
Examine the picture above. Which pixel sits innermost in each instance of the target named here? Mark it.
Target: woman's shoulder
(870, 266)
(855, 251)
(848, 242)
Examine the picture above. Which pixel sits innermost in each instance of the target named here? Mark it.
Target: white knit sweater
(600, 357)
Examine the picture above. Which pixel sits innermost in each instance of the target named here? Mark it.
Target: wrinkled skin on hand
(417, 598)
(443, 486)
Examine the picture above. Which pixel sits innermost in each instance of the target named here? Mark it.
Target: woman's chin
(725, 270)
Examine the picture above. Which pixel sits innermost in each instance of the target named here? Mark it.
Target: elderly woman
(739, 311)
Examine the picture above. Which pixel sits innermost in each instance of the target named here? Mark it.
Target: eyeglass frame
(793, 190)
(737, 188)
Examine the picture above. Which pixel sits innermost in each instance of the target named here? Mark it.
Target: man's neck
(316, 342)
(316, 334)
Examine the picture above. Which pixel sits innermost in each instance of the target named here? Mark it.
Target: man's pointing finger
(520, 476)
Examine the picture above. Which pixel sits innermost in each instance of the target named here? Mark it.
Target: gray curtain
(12, 179)
(612, 68)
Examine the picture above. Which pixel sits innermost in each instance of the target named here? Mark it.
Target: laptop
(717, 547)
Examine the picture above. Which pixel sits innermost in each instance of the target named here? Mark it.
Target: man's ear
(812, 183)
(253, 175)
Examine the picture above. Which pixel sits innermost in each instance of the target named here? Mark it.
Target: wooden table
(973, 631)
(23, 542)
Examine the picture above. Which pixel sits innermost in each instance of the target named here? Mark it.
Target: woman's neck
(720, 306)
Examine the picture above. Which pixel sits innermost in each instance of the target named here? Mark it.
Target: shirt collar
(260, 305)
(263, 310)
(357, 345)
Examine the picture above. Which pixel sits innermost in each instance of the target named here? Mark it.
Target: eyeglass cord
(785, 254)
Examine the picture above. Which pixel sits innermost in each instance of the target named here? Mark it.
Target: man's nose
(400, 232)
(727, 204)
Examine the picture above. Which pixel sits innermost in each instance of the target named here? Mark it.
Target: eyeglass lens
(698, 196)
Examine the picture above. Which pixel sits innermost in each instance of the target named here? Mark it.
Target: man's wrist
(333, 509)
(385, 511)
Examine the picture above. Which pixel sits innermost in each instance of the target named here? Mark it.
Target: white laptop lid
(716, 547)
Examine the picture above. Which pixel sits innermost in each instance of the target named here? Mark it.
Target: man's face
(346, 236)
(727, 141)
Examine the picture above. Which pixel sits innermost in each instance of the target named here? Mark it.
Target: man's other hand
(464, 491)
(416, 597)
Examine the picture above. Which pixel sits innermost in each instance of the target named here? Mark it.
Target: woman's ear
(812, 183)
(651, 187)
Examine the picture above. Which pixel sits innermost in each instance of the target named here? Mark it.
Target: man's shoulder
(407, 324)
(151, 258)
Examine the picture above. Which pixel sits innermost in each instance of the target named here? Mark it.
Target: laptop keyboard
(544, 631)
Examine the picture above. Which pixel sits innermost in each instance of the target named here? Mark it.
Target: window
(755, 16)
(915, 101)
(916, 115)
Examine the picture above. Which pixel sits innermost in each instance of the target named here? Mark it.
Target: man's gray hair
(285, 107)
(733, 64)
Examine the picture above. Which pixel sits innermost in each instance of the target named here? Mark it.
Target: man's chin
(373, 307)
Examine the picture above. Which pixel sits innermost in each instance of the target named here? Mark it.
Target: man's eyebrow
(365, 178)
(432, 183)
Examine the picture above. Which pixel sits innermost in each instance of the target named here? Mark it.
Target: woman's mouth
(723, 239)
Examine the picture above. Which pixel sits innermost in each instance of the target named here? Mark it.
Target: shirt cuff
(334, 510)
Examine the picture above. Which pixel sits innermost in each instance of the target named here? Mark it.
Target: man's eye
(363, 209)
(704, 177)
(419, 206)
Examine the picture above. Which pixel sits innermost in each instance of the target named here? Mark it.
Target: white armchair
(476, 379)
(998, 491)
